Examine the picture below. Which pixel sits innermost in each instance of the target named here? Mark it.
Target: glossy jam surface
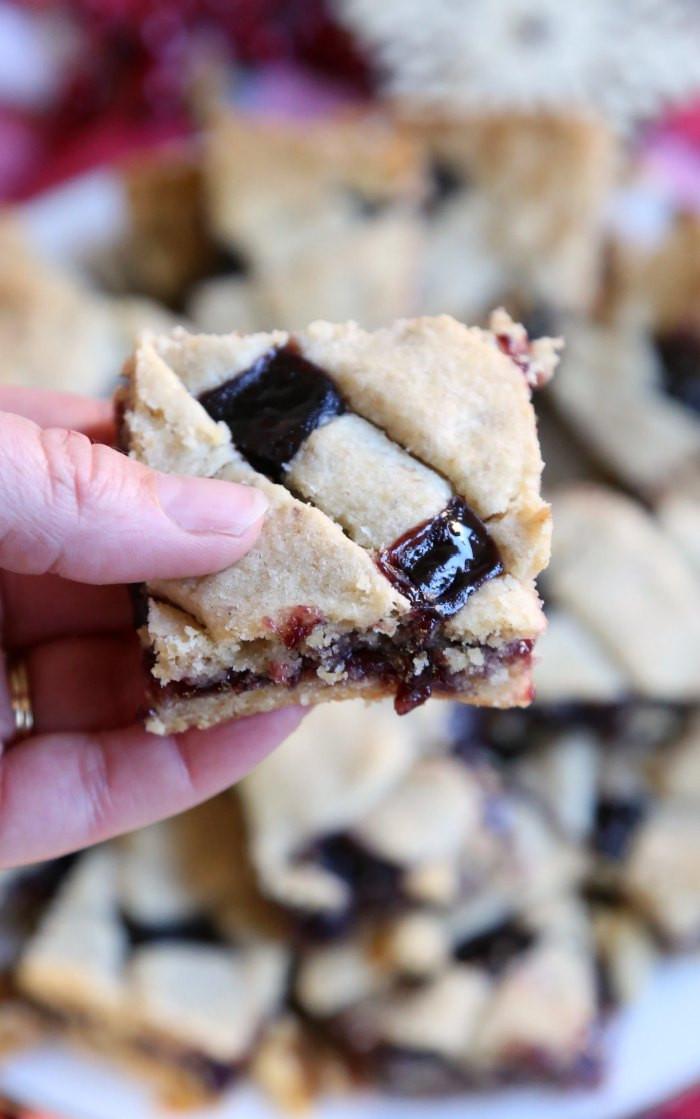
(440, 563)
(272, 407)
(680, 360)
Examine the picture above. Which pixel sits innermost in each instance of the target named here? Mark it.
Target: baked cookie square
(625, 587)
(153, 953)
(167, 246)
(361, 815)
(514, 210)
(632, 400)
(510, 1001)
(325, 211)
(405, 526)
(45, 312)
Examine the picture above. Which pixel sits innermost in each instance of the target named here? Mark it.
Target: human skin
(79, 521)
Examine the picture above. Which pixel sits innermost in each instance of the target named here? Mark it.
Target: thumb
(88, 513)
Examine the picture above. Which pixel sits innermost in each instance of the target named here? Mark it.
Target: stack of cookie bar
(451, 899)
(457, 897)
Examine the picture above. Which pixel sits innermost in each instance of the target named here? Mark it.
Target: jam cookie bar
(405, 525)
(623, 391)
(621, 578)
(647, 836)
(360, 814)
(167, 246)
(44, 311)
(514, 211)
(24, 895)
(147, 954)
(434, 901)
(324, 212)
(510, 1001)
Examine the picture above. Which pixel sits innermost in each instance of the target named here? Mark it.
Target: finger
(61, 792)
(84, 511)
(61, 409)
(87, 684)
(43, 607)
(81, 684)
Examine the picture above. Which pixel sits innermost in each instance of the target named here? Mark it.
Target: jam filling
(373, 883)
(496, 948)
(385, 662)
(439, 564)
(297, 626)
(615, 824)
(197, 929)
(211, 1076)
(506, 736)
(446, 182)
(519, 351)
(272, 407)
(680, 361)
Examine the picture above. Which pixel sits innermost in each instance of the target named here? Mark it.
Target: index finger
(61, 409)
(60, 792)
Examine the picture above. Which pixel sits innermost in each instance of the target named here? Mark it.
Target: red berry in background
(134, 67)
(138, 53)
(685, 124)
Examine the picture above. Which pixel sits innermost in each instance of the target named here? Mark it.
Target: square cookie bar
(360, 814)
(509, 1001)
(45, 311)
(632, 400)
(325, 213)
(619, 588)
(440, 939)
(405, 525)
(167, 246)
(515, 210)
(153, 952)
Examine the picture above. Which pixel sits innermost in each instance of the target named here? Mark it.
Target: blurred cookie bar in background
(152, 953)
(324, 213)
(57, 332)
(514, 211)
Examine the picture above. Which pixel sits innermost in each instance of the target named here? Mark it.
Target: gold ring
(20, 699)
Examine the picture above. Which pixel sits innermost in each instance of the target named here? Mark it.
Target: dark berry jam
(680, 361)
(519, 352)
(139, 604)
(445, 183)
(297, 626)
(508, 735)
(440, 563)
(413, 692)
(615, 824)
(392, 663)
(272, 407)
(496, 948)
(197, 929)
(368, 206)
(372, 880)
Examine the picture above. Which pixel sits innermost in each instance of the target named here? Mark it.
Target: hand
(77, 519)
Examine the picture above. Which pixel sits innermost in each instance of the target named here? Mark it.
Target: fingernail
(208, 505)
